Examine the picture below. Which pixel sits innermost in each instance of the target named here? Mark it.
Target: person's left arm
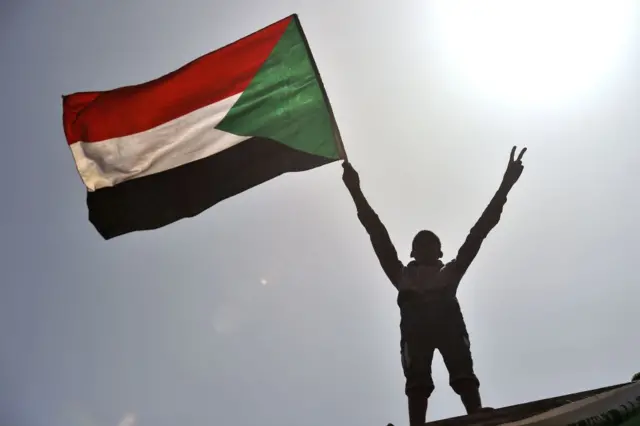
(490, 217)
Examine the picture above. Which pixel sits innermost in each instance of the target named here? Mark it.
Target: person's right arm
(380, 240)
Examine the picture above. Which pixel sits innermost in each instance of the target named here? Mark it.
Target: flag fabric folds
(158, 152)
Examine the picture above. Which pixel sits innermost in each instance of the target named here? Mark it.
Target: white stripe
(180, 141)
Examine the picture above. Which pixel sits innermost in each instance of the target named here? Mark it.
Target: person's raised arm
(382, 245)
(491, 215)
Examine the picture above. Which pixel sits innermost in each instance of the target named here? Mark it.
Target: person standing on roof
(431, 317)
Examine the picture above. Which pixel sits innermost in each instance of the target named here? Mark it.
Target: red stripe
(96, 116)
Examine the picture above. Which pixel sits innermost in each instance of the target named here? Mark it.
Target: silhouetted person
(430, 314)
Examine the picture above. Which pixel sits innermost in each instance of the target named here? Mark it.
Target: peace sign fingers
(512, 158)
(521, 154)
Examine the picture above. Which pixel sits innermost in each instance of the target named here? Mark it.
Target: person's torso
(427, 298)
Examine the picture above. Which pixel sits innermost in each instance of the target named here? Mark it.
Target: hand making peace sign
(514, 168)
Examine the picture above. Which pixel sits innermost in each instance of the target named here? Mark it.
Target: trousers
(417, 351)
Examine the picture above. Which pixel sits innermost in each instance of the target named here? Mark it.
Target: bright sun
(539, 51)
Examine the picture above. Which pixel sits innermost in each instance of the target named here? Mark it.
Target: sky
(271, 308)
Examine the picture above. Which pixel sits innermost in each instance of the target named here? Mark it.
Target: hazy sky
(175, 327)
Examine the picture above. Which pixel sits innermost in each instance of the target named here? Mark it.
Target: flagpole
(334, 125)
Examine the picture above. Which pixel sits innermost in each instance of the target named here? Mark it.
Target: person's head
(426, 247)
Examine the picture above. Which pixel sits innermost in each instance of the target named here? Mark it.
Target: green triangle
(285, 101)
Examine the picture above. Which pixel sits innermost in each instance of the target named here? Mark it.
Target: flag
(154, 153)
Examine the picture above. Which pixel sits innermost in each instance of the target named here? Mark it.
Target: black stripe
(157, 200)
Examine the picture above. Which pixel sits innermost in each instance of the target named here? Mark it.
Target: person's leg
(456, 352)
(416, 364)
(470, 395)
(418, 404)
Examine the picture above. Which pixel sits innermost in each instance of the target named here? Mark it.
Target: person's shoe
(480, 411)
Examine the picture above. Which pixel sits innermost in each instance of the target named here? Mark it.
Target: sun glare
(541, 51)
